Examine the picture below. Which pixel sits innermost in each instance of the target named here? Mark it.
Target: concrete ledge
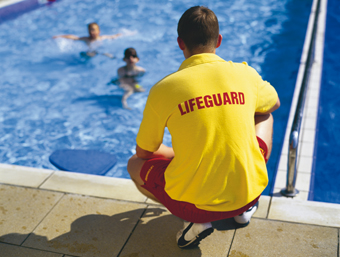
(264, 202)
(307, 212)
(91, 185)
(4, 3)
(23, 176)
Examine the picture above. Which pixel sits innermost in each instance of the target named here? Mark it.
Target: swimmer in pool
(94, 35)
(129, 74)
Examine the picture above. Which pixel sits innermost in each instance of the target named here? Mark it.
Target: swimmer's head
(94, 30)
(130, 52)
(198, 28)
(130, 56)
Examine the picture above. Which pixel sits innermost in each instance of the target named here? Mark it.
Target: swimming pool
(52, 98)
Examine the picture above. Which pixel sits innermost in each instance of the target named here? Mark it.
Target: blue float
(83, 161)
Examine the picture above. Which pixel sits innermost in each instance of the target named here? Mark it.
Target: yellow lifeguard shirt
(208, 106)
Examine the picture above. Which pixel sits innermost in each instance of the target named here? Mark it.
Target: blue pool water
(326, 168)
(51, 98)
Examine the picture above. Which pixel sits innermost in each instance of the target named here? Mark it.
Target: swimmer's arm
(136, 73)
(140, 70)
(140, 74)
(73, 37)
(162, 152)
(121, 72)
(121, 76)
(111, 36)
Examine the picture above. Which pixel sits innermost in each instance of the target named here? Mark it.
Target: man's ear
(219, 41)
(181, 43)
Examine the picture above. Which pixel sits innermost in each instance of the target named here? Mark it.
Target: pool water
(52, 98)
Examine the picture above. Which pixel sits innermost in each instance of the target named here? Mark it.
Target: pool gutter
(10, 9)
(306, 140)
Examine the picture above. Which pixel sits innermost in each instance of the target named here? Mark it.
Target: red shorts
(152, 174)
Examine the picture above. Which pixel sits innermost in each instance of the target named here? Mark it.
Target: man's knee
(131, 164)
(134, 167)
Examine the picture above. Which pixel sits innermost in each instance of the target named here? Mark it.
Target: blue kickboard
(83, 161)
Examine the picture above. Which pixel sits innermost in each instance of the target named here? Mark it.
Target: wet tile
(21, 210)
(307, 149)
(310, 123)
(300, 73)
(311, 111)
(303, 181)
(263, 207)
(308, 135)
(281, 179)
(303, 177)
(308, 212)
(275, 238)
(313, 103)
(23, 176)
(314, 90)
(283, 162)
(305, 164)
(18, 251)
(302, 195)
(86, 226)
(101, 186)
(285, 147)
(155, 236)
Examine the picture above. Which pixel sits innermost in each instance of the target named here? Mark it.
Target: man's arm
(264, 127)
(276, 106)
(162, 152)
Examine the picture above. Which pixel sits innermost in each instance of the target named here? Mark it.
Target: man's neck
(188, 54)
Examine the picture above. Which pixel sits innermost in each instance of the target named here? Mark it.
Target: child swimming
(128, 75)
(94, 35)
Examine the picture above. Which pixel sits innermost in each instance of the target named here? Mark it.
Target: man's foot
(244, 218)
(192, 233)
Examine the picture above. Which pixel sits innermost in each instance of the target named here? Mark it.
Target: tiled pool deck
(55, 213)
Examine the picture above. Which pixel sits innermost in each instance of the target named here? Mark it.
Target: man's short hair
(198, 28)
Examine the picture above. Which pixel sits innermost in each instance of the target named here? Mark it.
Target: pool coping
(10, 9)
(4, 3)
(308, 127)
(273, 207)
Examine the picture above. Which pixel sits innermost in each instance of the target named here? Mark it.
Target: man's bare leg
(134, 167)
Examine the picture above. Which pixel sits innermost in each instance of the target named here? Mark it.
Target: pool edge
(272, 207)
(308, 128)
